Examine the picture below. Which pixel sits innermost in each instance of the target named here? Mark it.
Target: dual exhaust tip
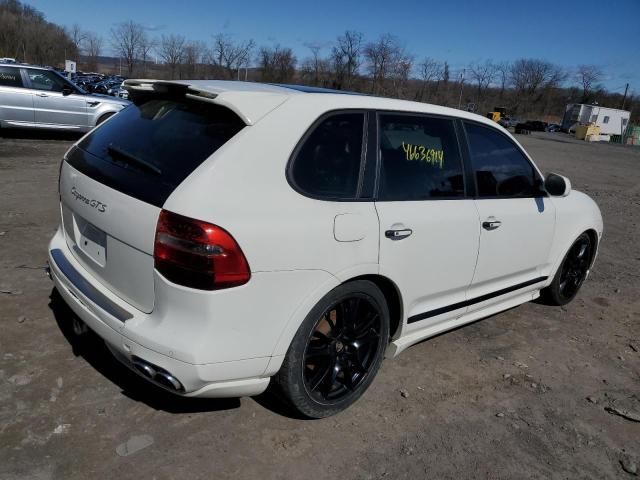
(157, 375)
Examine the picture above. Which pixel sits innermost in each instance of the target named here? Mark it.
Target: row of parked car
(100, 83)
(529, 125)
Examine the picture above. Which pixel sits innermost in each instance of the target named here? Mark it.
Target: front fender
(575, 214)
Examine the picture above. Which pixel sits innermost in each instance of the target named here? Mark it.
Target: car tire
(571, 273)
(104, 117)
(337, 351)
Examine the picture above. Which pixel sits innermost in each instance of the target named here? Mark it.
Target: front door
(517, 219)
(52, 107)
(429, 229)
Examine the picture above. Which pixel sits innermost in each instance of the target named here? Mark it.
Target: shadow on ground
(92, 349)
(38, 134)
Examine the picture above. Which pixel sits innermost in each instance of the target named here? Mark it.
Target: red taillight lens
(198, 254)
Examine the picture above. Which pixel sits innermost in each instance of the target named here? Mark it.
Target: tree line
(527, 87)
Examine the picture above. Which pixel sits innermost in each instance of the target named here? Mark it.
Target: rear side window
(147, 150)
(10, 77)
(420, 159)
(501, 169)
(327, 165)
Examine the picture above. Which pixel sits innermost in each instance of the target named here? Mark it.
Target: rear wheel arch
(393, 297)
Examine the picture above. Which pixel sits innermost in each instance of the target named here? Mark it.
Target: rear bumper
(108, 317)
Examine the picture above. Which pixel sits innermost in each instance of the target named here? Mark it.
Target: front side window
(420, 159)
(500, 168)
(328, 163)
(46, 80)
(605, 119)
(10, 77)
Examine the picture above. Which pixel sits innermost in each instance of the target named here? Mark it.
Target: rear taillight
(198, 254)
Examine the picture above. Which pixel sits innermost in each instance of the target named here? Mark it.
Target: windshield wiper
(133, 159)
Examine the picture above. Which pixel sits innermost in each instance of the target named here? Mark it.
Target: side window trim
(26, 81)
(363, 154)
(460, 139)
(538, 173)
(470, 187)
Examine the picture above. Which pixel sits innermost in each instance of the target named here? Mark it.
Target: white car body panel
(229, 342)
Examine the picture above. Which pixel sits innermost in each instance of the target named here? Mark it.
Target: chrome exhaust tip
(144, 369)
(157, 375)
(168, 381)
(47, 270)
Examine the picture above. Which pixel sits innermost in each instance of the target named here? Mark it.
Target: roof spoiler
(142, 87)
(249, 106)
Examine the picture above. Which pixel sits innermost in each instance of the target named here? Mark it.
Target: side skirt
(398, 346)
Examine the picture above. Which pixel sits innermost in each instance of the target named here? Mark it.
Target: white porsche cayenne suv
(220, 236)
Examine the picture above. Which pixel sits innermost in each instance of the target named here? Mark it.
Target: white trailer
(610, 120)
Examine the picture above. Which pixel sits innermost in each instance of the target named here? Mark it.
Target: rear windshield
(148, 149)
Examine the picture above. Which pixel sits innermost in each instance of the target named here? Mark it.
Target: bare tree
(277, 64)
(429, 70)
(78, 36)
(172, 51)
(482, 74)
(193, 58)
(502, 73)
(147, 44)
(383, 59)
(126, 38)
(93, 47)
(230, 56)
(532, 78)
(346, 58)
(588, 76)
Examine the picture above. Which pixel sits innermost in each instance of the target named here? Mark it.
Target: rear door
(115, 181)
(52, 108)
(516, 216)
(16, 101)
(429, 229)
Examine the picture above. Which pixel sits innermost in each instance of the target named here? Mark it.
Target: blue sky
(565, 32)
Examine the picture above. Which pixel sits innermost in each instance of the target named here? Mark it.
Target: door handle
(42, 95)
(398, 234)
(491, 224)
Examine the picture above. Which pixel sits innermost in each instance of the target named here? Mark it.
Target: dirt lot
(518, 395)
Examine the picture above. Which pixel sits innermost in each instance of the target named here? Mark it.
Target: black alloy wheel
(572, 272)
(575, 267)
(342, 348)
(336, 351)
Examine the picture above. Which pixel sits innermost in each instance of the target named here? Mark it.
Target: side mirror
(557, 185)
(67, 91)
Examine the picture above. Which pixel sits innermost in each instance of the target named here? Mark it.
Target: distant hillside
(26, 36)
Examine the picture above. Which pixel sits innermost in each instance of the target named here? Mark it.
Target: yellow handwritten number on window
(420, 152)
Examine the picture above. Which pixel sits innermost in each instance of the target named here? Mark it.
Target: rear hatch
(114, 182)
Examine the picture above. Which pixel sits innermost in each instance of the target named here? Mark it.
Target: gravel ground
(523, 394)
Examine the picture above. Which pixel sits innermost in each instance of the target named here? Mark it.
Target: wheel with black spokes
(572, 272)
(337, 351)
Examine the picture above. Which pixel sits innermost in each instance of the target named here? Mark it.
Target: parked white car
(222, 235)
(37, 97)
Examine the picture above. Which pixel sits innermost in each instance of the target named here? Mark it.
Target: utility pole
(461, 84)
(624, 98)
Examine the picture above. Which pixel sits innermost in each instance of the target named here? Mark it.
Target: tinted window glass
(10, 77)
(46, 80)
(147, 150)
(420, 158)
(328, 163)
(500, 167)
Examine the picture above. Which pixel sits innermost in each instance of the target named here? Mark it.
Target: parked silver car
(37, 97)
